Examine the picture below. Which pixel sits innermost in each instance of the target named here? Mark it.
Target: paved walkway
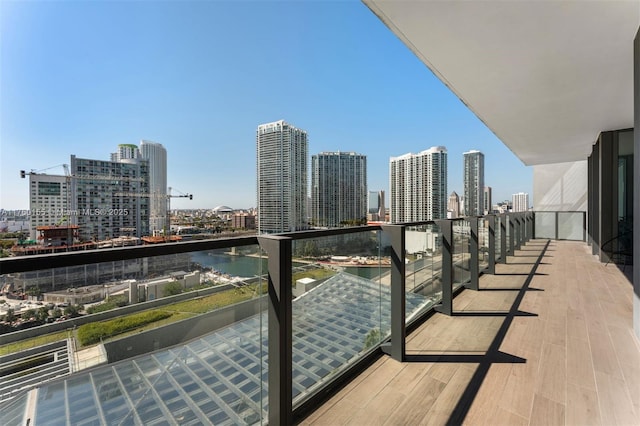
(546, 341)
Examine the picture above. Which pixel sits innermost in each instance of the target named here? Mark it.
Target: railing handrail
(76, 258)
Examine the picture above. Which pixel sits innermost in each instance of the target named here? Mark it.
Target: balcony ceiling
(545, 76)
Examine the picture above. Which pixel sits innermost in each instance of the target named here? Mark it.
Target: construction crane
(69, 176)
(67, 173)
(169, 197)
(23, 174)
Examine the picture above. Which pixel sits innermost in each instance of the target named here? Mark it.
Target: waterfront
(235, 265)
(250, 266)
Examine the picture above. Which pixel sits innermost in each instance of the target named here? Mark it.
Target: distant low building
(520, 202)
(243, 221)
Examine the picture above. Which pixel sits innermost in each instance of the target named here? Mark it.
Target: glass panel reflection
(423, 266)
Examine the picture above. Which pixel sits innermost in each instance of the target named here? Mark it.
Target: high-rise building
(473, 183)
(453, 206)
(126, 151)
(376, 210)
(338, 188)
(49, 201)
(488, 206)
(156, 155)
(418, 184)
(281, 159)
(520, 202)
(107, 200)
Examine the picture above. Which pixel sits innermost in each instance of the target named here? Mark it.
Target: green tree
(34, 291)
(311, 249)
(172, 289)
(372, 338)
(10, 316)
(29, 314)
(72, 310)
(42, 314)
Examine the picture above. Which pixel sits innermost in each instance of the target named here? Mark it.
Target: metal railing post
(474, 267)
(503, 238)
(533, 225)
(492, 245)
(518, 228)
(280, 324)
(446, 306)
(398, 301)
(512, 230)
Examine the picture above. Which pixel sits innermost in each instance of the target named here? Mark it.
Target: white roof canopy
(545, 76)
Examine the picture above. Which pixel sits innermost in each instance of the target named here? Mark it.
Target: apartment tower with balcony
(418, 185)
(520, 202)
(473, 183)
(338, 189)
(156, 155)
(110, 198)
(281, 162)
(49, 201)
(488, 199)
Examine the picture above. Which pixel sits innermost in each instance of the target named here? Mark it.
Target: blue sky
(81, 77)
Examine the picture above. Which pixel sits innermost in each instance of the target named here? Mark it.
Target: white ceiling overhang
(545, 76)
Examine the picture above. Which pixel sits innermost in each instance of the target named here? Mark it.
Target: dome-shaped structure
(222, 209)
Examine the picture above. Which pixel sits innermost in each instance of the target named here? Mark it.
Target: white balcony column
(636, 189)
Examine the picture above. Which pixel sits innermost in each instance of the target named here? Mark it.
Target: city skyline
(96, 92)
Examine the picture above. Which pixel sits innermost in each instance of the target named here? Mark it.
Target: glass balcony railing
(483, 244)
(423, 264)
(232, 331)
(461, 252)
(498, 232)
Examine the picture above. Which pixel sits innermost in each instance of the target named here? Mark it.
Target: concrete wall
(560, 187)
(180, 332)
(49, 347)
(191, 280)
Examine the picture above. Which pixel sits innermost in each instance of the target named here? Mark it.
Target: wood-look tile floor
(545, 345)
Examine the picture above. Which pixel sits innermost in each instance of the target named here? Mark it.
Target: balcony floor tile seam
(559, 315)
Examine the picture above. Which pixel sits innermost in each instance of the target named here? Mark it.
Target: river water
(249, 266)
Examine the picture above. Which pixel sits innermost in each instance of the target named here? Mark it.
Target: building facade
(156, 155)
(243, 221)
(376, 210)
(281, 160)
(453, 206)
(108, 198)
(488, 199)
(49, 201)
(338, 189)
(473, 183)
(418, 185)
(126, 151)
(520, 202)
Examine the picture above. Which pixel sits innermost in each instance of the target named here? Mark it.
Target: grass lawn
(180, 310)
(32, 342)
